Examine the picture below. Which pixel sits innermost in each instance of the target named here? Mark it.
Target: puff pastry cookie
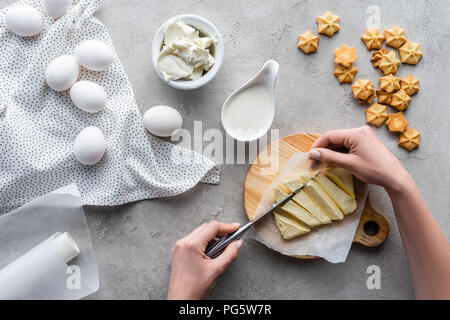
(409, 139)
(400, 100)
(376, 57)
(372, 38)
(396, 122)
(395, 37)
(389, 63)
(345, 55)
(384, 97)
(328, 23)
(308, 42)
(410, 52)
(376, 114)
(410, 84)
(389, 83)
(345, 75)
(363, 90)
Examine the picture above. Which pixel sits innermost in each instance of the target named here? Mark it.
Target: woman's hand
(366, 157)
(193, 273)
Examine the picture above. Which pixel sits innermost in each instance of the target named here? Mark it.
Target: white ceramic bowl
(206, 28)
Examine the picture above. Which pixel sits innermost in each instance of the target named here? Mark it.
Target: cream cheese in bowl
(187, 52)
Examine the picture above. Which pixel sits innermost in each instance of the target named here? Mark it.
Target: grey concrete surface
(132, 242)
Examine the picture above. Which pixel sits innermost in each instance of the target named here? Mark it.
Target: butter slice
(296, 211)
(289, 228)
(306, 202)
(343, 179)
(315, 191)
(345, 203)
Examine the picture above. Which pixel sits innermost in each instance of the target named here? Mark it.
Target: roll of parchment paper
(38, 267)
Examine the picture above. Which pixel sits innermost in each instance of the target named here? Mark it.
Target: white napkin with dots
(38, 125)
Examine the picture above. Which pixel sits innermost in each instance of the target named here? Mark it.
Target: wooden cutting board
(373, 228)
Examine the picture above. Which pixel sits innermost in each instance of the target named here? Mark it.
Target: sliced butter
(315, 191)
(345, 203)
(289, 228)
(306, 202)
(343, 179)
(295, 210)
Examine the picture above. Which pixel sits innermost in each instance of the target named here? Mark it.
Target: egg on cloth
(88, 96)
(56, 8)
(90, 146)
(94, 55)
(24, 21)
(62, 73)
(162, 121)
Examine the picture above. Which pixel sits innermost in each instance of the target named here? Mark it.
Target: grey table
(133, 242)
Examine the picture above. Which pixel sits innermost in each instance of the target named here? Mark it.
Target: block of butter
(344, 202)
(296, 211)
(289, 228)
(343, 179)
(315, 191)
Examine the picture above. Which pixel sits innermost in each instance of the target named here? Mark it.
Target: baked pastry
(376, 57)
(389, 83)
(363, 90)
(372, 38)
(345, 55)
(376, 114)
(345, 75)
(308, 42)
(384, 97)
(410, 52)
(400, 100)
(328, 23)
(409, 139)
(395, 37)
(389, 63)
(396, 122)
(410, 84)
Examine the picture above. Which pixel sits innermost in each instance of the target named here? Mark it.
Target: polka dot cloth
(38, 125)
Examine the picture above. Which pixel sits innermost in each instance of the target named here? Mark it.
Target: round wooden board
(373, 228)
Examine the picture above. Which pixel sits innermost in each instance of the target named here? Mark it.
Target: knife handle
(215, 249)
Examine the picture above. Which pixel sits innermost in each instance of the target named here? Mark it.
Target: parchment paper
(45, 276)
(331, 242)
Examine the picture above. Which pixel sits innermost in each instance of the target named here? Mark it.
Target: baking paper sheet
(38, 125)
(45, 275)
(331, 242)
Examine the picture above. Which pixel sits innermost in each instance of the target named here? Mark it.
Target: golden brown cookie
(376, 114)
(345, 75)
(363, 90)
(410, 84)
(345, 55)
(384, 97)
(395, 37)
(410, 52)
(389, 63)
(372, 38)
(400, 100)
(389, 83)
(308, 42)
(409, 139)
(328, 23)
(376, 57)
(396, 122)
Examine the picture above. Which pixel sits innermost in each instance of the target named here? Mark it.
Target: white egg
(62, 73)
(88, 96)
(56, 8)
(90, 146)
(94, 55)
(24, 21)
(162, 121)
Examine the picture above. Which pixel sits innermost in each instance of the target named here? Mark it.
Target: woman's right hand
(367, 157)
